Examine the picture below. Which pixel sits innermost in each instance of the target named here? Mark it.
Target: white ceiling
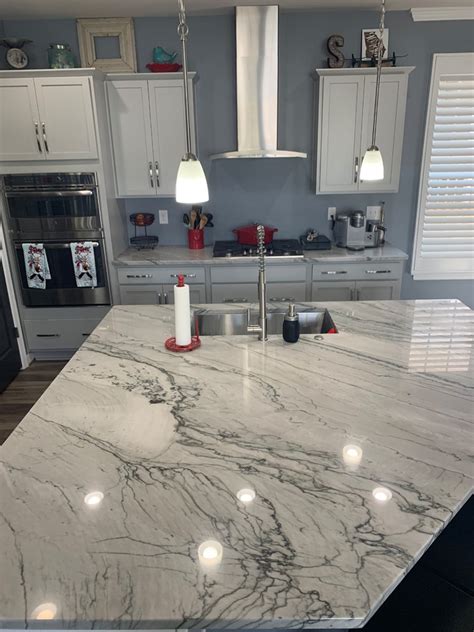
(26, 9)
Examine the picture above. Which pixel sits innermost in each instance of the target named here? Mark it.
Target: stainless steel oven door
(53, 211)
(61, 289)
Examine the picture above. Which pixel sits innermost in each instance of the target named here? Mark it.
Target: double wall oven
(56, 209)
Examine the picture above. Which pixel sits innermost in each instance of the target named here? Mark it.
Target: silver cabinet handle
(157, 171)
(45, 140)
(38, 142)
(357, 295)
(85, 335)
(186, 276)
(150, 171)
(236, 300)
(378, 271)
(139, 276)
(159, 299)
(356, 168)
(334, 272)
(165, 296)
(48, 335)
(352, 294)
(282, 299)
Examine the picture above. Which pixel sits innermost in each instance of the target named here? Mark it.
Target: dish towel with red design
(36, 265)
(83, 259)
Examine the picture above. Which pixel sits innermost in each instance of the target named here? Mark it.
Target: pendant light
(372, 163)
(191, 183)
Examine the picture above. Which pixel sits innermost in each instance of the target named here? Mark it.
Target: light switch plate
(331, 212)
(374, 212)
(163, 216)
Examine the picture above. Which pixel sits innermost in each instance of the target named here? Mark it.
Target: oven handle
(55, 193)
(57, 244)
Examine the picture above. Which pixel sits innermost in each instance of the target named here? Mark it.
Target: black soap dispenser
(291, 325)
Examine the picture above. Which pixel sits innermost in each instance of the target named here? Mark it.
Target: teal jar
(60, 56)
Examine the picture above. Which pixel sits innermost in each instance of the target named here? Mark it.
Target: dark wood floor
(22, 393)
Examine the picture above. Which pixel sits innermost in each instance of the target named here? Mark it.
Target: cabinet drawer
(133, 275)
(58, 334)
(249, 274)
(354, 271)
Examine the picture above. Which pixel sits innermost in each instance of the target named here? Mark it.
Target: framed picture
(107, 44)
(370, 43)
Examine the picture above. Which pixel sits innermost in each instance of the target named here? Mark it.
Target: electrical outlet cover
(331, 212)
(374, 212)
(163, 215)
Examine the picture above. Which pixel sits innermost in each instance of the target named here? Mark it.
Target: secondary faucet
(261, 328)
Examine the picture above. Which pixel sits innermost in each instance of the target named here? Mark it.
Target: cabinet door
(19, 118)
(66, 116)
(390, 127)
(197, 294)
(141, 294)
(129, 113)
(286, 292)
(340, 123)
(333, 291)
(377, 290)
(168, 127)
(234, 292)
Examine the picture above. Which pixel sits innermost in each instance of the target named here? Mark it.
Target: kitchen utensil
(203, 222)
(186, 220)
(247, 235)
(193, 218)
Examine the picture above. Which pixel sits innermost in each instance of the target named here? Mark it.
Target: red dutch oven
(247, 235)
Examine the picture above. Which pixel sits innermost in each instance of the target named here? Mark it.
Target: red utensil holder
(195, 239)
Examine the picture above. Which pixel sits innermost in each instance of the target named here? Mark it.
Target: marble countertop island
(166, 441)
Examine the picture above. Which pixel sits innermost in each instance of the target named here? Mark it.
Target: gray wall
(280, 192)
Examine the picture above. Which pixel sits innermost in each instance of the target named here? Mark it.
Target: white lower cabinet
(377, 290)
(333, 291)
(355, 290)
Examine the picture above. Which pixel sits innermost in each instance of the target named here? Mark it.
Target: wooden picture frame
(90, 28)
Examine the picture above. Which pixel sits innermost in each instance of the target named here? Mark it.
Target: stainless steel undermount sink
(232, 322)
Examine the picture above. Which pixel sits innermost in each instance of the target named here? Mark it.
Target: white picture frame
(369, 43)
(90, 28)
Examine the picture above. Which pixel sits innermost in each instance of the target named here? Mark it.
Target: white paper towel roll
(182, 313)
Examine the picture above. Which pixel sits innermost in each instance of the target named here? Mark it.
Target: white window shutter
(444, 235)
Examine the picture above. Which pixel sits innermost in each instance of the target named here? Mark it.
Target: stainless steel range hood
(257, 85)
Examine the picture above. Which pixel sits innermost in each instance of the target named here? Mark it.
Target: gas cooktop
(277, 248)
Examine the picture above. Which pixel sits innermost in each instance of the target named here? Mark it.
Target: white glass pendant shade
(371, 168)
(191, 183)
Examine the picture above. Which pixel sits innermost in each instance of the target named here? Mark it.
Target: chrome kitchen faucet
(261, 328)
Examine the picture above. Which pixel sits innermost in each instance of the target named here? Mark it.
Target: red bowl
(154, 67)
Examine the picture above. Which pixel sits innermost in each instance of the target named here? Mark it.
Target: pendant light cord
(183, 31)
(379, 72)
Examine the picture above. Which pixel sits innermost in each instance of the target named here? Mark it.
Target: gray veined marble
(313, 428)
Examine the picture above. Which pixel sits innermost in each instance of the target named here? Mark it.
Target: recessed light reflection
(352, 454)
(44, 611)
(93, 499)
(246, 495)
(381, 494)
(210, 553)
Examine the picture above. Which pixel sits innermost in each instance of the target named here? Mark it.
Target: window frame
(443, 64)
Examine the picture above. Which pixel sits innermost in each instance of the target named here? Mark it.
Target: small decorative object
(370, 44)
(160, 56)
(118, 30)
(335, 42)
(154, 67)
(143, 242)
(61, 56)
(16, 57)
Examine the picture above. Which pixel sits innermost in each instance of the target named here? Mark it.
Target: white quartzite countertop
(169, 440)
(169, 255)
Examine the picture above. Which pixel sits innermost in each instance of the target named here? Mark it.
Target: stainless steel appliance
(52, 205)
(356, 232)
(277, 248)
(56, 209)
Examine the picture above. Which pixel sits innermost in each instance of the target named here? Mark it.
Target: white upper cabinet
(345, 118)
(148, 132)
(46, 118)
(19, 121)
(67, 121)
